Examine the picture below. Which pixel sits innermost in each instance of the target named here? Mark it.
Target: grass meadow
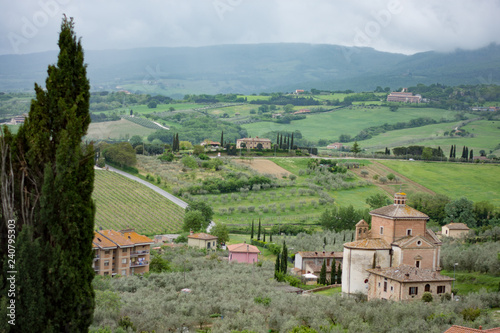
(477, 182)
(330, 125)
(467, 282)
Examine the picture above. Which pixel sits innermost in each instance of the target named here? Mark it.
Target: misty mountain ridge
(255, 68)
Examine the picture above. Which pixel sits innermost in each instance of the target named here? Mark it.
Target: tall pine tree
(55, 214)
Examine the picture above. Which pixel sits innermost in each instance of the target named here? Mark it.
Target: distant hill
(259, 68)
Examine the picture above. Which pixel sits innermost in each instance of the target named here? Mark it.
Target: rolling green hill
(122, 203)
(254, 68)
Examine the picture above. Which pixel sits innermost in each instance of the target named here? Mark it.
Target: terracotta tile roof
(431, 236)
(457, 226)
(320, 254)
(369, 244)
(135, 238)
(405, 273)
(116, 238)
(462, 329)
(202, 235)
(256, 139)
(101, 242)
(243, 247)
(399, 212)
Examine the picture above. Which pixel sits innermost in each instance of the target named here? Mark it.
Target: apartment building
(123, 252)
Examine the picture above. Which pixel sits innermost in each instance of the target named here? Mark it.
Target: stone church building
(397, 258)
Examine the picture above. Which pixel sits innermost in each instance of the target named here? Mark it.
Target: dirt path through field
(264, 166)
(407, 185)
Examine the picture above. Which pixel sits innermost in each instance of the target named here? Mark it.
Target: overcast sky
(401, 26)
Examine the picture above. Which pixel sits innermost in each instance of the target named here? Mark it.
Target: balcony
(138, 253)
(97, 257)
(139, 263)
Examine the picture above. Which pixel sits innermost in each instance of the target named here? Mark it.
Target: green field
(116, 130)
(473, 282)
(477, 182)
(330, 125)
(123, 203)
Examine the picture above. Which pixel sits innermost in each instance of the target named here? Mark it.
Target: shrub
(375, 177)
(470, 314)
(364, 173)
(427, 297)
(292, 177)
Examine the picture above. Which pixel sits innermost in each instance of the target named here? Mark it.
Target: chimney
(191, 231)
(480, 327)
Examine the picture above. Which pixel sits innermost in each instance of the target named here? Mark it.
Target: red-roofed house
(462, 329)
(455, 230)
(202, 241)
(243, 253)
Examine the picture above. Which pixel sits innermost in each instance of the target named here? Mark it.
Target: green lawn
(329, 292)
(330, 125)
(477, 182)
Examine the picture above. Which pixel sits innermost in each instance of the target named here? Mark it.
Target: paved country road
(167, 195)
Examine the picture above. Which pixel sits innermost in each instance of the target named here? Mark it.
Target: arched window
(427, 287)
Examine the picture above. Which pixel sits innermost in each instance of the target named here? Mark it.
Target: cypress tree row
(54, 172)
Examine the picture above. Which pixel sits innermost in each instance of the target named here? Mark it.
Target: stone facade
(455, 230)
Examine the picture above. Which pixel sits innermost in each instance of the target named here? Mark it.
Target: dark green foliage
(333, 273)
(460, 210)
(262, 300)
(194, 221)
(264, 237)
(339, 274)
(343, 218)
(432, 205)
(277, 266)
(471, 314)
(121, 153)
(378, 200)
(284, 259)
(126, 323)
(54, 284)
(158, 264)
(221, 232)
(322, 274)
(251, 235)
(258, 231)
(427, 297)
(206, 210)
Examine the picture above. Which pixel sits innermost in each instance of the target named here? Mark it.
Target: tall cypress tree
(54, 173)
(258, 231)
(277, 266)
(222, 139)
(471, 155)
(264, 237)
(251, 235)
(451, 151)
(466, 153)
(333, 273)
(284, 259)
(339, 274)
(322, 273)
(277, 138)
(291, 144)
(454, 151)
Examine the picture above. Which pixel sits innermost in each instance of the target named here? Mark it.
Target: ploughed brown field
(264, 166)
